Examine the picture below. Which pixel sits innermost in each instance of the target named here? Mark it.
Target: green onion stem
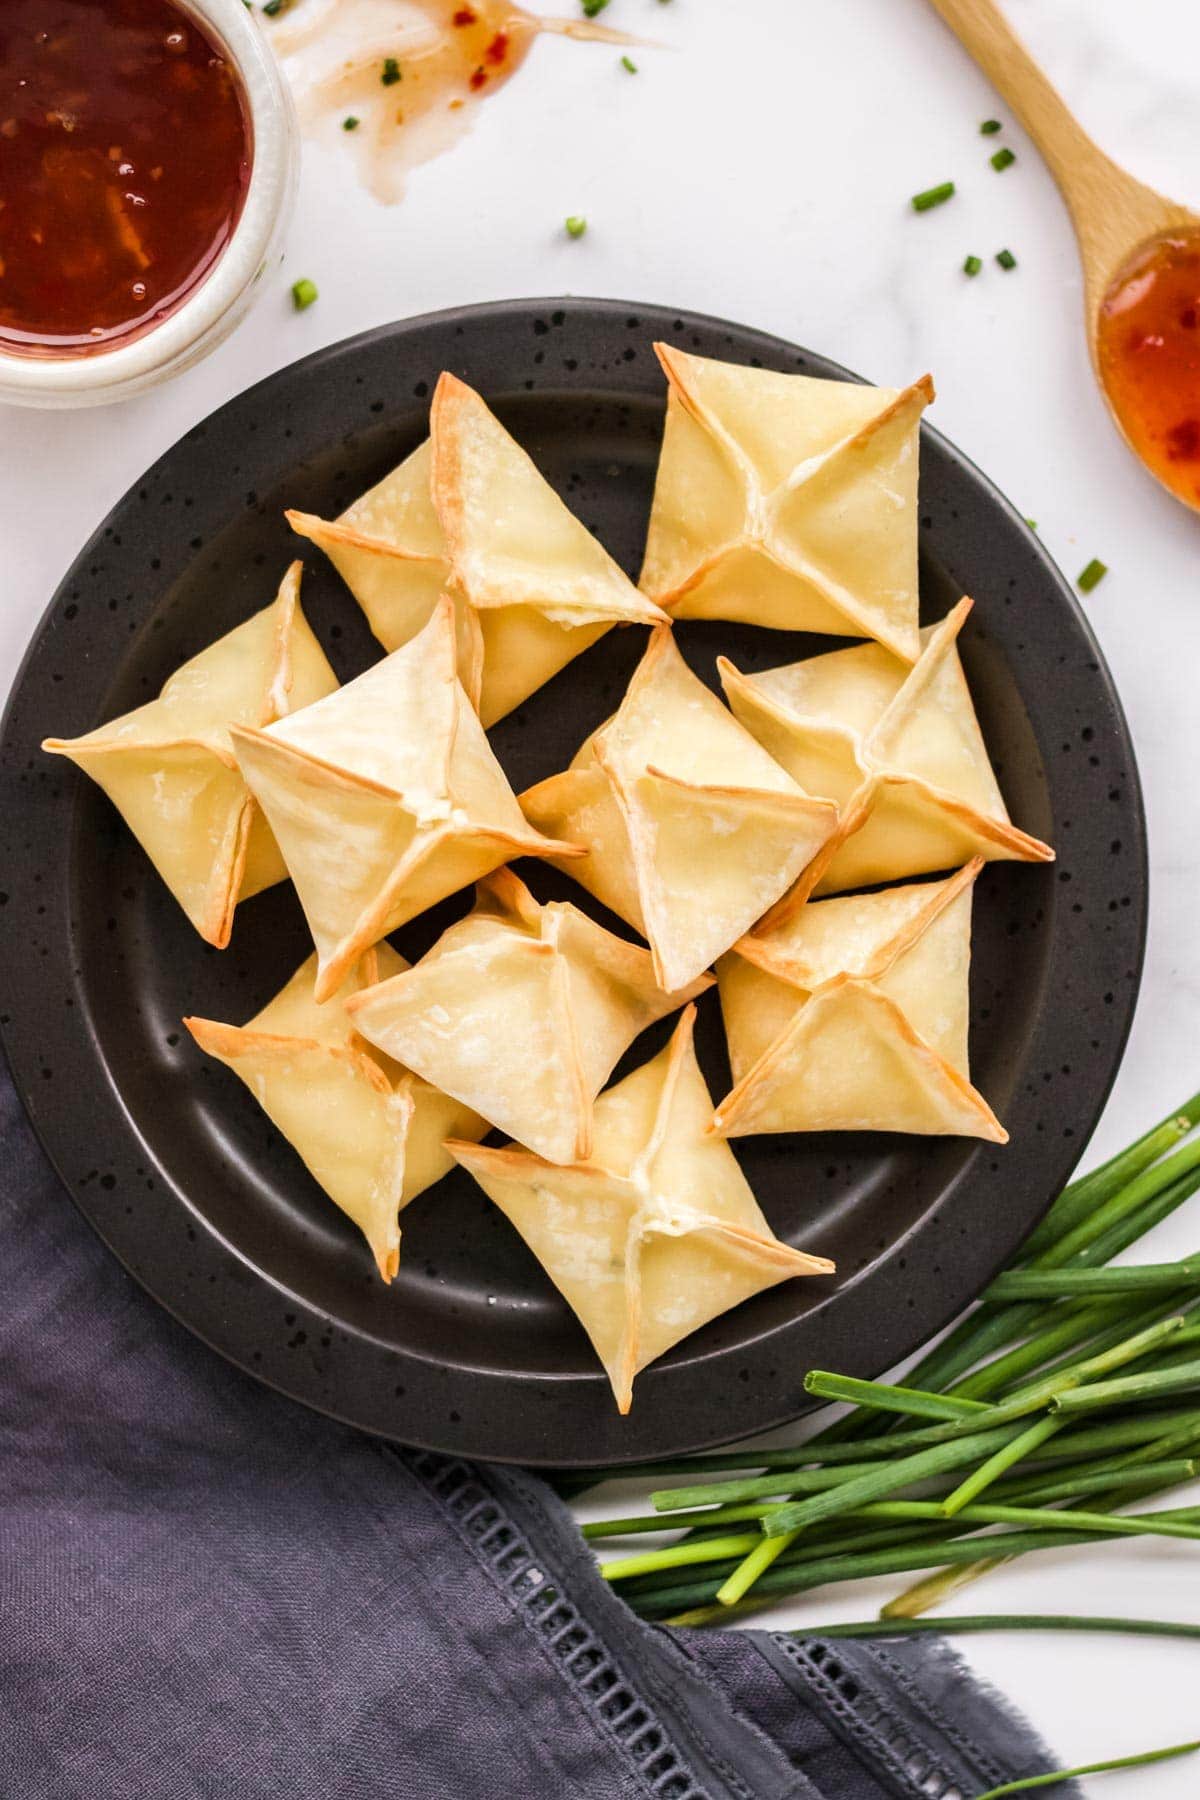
(677, 1555)
(1121, 1205)
(995, 1465)
(799, 1577)
(787, 1481)
(885, 1397)
(876, 1483)
(883, 1480)
(991, 1328)
(1091, 1190)
(1172, 1524)
(703, 1517)
(1127, 1388)
(1116, 1333)
(1140, 1761)
(970, 1622)
(751, 1568)
(1168, 1472)
(1073, 1325)
(936, 1588)
(1071, 1284)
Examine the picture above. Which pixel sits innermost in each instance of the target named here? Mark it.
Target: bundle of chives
(1048, 1394)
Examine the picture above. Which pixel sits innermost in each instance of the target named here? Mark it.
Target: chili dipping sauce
(125, 153)
(1148, 350)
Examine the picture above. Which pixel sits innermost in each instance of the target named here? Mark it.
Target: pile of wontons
(727, 837)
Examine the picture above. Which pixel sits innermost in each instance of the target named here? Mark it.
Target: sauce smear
(1149, 356)
(125, 149)
(399, 80)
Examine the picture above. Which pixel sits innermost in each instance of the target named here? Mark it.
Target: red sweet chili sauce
(125, 150)
(1149, 357)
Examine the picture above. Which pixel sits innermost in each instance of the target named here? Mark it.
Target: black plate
(164, 1151)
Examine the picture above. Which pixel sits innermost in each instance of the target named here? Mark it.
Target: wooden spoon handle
(991, 42)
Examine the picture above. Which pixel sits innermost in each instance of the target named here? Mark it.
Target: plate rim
(53, 1127)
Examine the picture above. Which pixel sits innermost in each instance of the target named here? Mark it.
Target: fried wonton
(692, 830)
(368, 1131)
(521, 1011)
(658, 1231)
(169, 768)
(787, 501)
(898, 749)
(852, 1015)
(384, 798)
(469, 513)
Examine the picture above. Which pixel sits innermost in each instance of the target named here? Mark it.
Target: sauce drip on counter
(406, 73)
(1149, 357)
(125, 149)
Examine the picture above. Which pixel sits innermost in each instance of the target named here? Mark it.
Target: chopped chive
(391, 72)
(592, 7)
(628, 63)
(1032, 524)
(972, 265)
(934, 196)
(1092, 576)
(304, 292)
(273, 8)
(576, 225)
(990, 127)
(1003, 159)
(350, 124)
(1100, 1768)
(1006, 259)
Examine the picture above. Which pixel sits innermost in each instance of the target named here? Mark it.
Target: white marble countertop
(760, 168)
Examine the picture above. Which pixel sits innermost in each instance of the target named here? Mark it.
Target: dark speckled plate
(164, 1151)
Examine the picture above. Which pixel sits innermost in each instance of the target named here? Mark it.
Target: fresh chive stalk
(1121, 1217)
(886, 1398)
(879, 1482)
(997, 1463)
(677, 1555)
(800, 1577)
(974, 1622)
(1129, 1388)
(1084, 1195)
(1059, 1284)
(936, 1588)
(1141, 1761)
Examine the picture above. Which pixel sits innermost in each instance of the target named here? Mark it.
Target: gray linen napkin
(207, 1591)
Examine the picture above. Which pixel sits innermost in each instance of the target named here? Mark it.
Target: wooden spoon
(1140, 254)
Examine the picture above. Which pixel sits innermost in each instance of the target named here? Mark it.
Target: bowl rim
(273, 138)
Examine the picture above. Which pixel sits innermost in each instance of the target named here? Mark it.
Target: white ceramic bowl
(235, 280)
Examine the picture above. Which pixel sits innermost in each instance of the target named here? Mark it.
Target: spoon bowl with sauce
(1140, 254)
(147, 162)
